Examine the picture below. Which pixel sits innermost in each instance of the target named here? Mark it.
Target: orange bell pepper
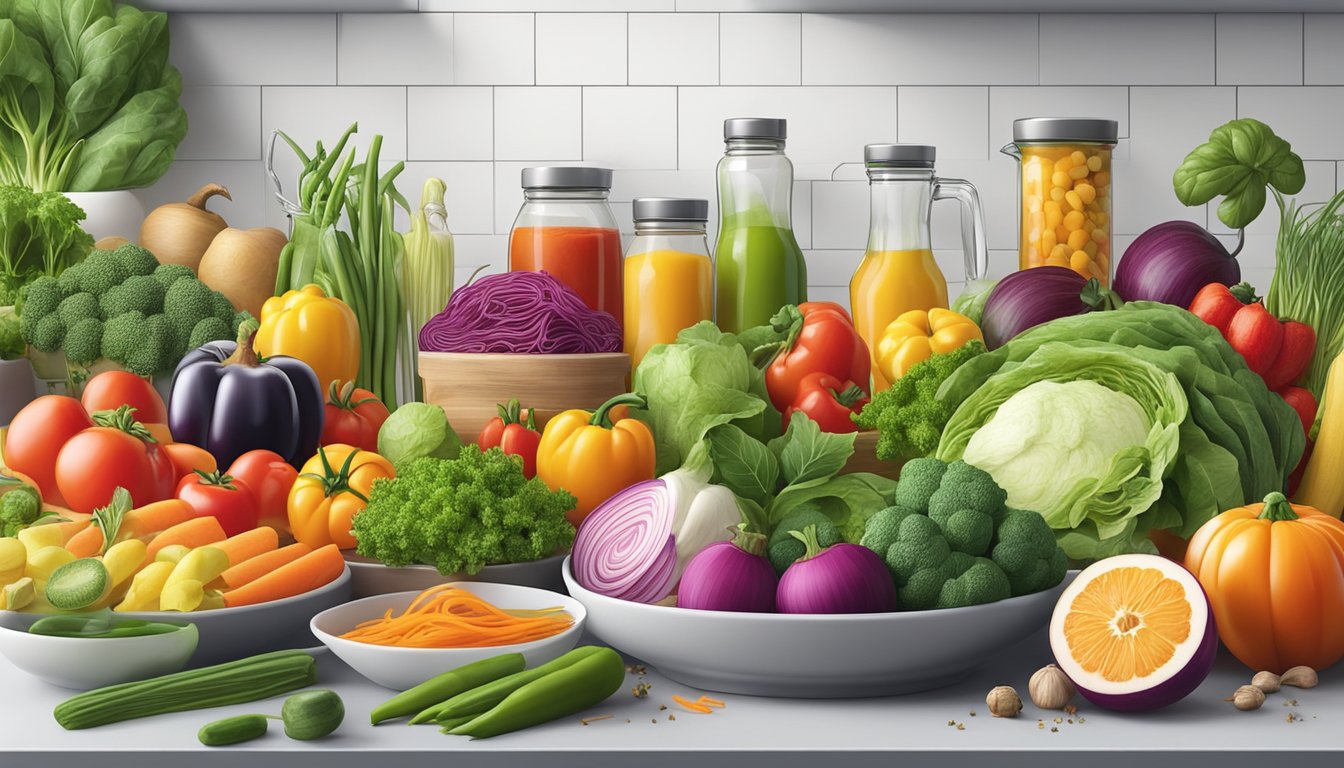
(317, 329)
(324, 500)
(592, 458)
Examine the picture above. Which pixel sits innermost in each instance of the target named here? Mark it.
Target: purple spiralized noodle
(520, 312)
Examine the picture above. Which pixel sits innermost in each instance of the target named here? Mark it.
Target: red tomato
(352, 417)
(269, 477)
(110, 390)
(94, 462)
(223, 497)
(36, 436)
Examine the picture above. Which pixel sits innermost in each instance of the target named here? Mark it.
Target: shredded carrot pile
(449, 617)
(692, 706)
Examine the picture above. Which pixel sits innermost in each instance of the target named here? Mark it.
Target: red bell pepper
(508, 432)
(1278, 350)
(828, 401)
(821, 339)
(1304, 403)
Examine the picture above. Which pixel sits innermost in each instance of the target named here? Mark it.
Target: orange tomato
(332, 488)
(36, 436)
(110, 390)
(1274, 574)
(188, 458)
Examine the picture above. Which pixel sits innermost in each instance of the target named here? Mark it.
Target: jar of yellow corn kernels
(1065, 171)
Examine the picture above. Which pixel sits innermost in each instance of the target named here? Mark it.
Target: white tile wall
(475, 90)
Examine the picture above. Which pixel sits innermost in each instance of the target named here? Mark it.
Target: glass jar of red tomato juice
(566, 228)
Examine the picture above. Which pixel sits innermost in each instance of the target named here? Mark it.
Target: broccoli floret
(76, 307)
(884, 528)
(167, 274)
(99, 272)
(140, 293)
(463, 514)
(918, 560)
(135, 260)
(19, 509)
(84, 341)
(1025, 548)
(971, 581)
(909, 416)
(68, 281)
(783, 549)
(186, 303)
(156, 349)
(121, 335)
(918, 481)
(47, 333)
(208, 330)
(41, 297)
(967, 506)
(221, 308)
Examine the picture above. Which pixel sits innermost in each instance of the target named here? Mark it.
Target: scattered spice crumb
(1290, 703)
(588, 720)
(972, 713)
(671, 717)
(951, 722)
(1058, 720)
(627, 720)
(637, 669)
(654, 721)
(641, 690)
(1081, 719)
(1290, 717)
(1040, 725)
(1053, 729)
(662, 707)
(1070, 709)
(961, 726)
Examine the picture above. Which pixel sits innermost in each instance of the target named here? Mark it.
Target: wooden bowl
(470, 386)
(865, 458)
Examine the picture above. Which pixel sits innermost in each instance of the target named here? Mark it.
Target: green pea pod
(584, 684)
(483, 698)
(449, 724)
(98, 626)
(443, 687)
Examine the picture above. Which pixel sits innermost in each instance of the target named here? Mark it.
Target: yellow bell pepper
(916, 335)
(332, 488)
(592, 458)
(319, 330)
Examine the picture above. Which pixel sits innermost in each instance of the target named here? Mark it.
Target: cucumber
(233, 730)
(312, 714)
(78, 584)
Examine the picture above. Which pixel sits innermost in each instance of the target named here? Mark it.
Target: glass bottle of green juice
(758, 264)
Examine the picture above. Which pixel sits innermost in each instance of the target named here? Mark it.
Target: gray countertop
(1202, 730)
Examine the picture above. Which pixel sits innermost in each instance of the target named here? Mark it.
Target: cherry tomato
(110, 390)
(269, 477)
(94, 462)
(36, 436)
(353, 417)
(222, 497)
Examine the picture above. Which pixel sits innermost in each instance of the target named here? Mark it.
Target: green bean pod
(584, 684)
(483, 698)
(447, 685)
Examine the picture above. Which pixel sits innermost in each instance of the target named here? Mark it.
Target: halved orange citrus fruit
(1134, 632)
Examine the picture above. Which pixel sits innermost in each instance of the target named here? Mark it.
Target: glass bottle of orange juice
(898, 272)
(669, 280)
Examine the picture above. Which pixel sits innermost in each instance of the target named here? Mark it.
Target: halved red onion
(626, 549)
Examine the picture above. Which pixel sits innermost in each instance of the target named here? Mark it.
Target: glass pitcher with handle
(898, 272)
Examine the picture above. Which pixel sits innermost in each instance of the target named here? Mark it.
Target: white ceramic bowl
(402, 668)
(86, 662)
(369, 577)
(814, 656)
(233, 633)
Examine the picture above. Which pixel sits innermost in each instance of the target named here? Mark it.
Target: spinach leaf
(806, 453)
(743, 464)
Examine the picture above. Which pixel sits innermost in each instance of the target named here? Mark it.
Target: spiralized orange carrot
(450, 617)
(692, 706)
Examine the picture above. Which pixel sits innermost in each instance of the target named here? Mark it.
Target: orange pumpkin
(1274, 574)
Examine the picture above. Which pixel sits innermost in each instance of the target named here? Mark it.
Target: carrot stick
(708, 702)
(692, 706)
(249, 544)
(88, 542)
(71, 529)
(319, 567)
(254, 568)
(196, 532)
(143, 522)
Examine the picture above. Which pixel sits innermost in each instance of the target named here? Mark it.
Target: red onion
(1038, 295)
(730, 576)
(845, 578)
(1172, 261)
(625, 549)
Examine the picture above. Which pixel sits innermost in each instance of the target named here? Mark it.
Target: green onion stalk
(427, 273)
(1308, 284)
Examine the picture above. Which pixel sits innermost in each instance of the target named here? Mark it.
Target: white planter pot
(16, 387)
(116, 213)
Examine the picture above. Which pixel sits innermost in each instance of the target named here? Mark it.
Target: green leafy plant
(1238, 161)
(1308, 284)
(39, 235)
(88, 100)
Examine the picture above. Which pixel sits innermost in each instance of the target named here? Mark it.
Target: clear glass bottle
(566, 228)
(758, 264)
(898, 272)
(669, 281)
(1065, 193)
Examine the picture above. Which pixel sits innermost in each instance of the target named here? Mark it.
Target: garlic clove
(1003, 701)
(1247, 698)
(1300, 677)
(1266, 681)
(1050, 688)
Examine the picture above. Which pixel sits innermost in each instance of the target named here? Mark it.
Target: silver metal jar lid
(900, 155)
(671, 209)
(566, 177)
(1087, 129)
(755, 128)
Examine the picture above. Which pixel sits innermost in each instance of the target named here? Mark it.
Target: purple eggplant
(227, 401)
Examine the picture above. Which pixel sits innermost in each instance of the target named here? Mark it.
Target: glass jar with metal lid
(898, 273)
(669, 281)
(567, 229)
(1065, 193)
(758, 264)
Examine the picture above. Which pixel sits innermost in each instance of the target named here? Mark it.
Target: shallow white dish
(369, 577)
(233, 633)
(814, 656)
(83, 663)
(402, 668)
